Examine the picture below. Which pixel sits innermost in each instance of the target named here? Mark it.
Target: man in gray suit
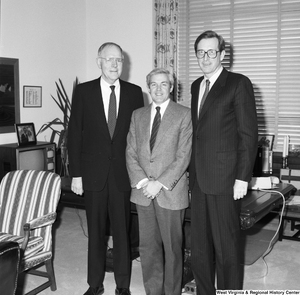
(159, 183)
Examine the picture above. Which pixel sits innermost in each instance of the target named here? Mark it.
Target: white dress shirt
(106, 91)
(212, 81)
(163, 108)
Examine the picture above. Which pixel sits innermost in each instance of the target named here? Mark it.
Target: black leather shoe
(122, 291)
(95, 291)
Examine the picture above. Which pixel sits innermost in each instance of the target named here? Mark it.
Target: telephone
(258, 183)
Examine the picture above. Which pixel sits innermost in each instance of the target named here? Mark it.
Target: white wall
(59, 39)
(128, 23)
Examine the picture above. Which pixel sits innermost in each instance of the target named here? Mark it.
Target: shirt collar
(214, 77)
(162, 106)
(103, 83)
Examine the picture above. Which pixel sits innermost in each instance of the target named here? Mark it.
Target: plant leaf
(63, 102)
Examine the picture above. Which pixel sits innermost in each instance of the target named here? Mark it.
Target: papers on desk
(293, 200)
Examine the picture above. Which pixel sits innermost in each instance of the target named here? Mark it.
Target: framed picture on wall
(26, 134)
(32, 96)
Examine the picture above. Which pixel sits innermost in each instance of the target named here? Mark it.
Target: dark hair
(160, 71)
(207, 35)
(107, 44)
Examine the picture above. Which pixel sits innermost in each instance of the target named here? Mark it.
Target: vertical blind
(262, 42)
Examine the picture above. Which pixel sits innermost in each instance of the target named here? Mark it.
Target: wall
(59, 39)
(128, 23)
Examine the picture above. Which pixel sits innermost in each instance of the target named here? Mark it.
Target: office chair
(292, 209)
(28, 202)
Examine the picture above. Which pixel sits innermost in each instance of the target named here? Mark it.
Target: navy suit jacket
(225, 135)
(91, 150)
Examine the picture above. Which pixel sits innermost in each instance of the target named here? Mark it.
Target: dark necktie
(155, 126)
(112, 112)
(204, 95)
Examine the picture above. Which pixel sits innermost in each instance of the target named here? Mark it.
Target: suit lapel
(145, 123)
(97, 107)
(143, 129)
(123, 107)
(194, 103)
(213, 93)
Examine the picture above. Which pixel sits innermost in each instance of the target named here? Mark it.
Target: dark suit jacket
(225, 136)
(91, 150)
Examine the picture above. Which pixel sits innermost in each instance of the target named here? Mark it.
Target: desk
(258, 204)
(255, 205)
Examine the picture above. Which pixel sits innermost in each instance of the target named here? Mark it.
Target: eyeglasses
(112, 59)
(211, 53)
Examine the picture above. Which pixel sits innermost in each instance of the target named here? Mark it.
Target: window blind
(262, 42)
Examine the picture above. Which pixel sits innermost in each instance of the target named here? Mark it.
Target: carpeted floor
(257, 242)
(279, 270)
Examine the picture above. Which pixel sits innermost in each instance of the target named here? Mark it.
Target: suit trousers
(160, 248)
(99, 206)
(215, 241)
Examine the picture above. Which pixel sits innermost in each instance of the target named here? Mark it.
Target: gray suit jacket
(169, 158)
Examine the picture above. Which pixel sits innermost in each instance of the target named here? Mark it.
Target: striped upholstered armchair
(28, 202)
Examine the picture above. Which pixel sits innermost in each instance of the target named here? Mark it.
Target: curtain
(165, 36)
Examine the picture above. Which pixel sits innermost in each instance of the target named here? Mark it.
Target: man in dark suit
(98, 127)
(157, 171)
(223, 155)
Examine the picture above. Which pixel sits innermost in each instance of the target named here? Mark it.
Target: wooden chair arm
(36, 223)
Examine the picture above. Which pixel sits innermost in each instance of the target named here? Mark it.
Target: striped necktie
(155, 126)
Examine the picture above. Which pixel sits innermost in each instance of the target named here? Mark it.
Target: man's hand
(239, 189)
(76, 185)
(152, 189)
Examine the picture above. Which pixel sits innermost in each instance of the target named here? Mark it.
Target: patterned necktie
(112, 112)
(155, 126)
(204, 95)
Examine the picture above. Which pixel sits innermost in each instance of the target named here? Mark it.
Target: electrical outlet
(190, 288)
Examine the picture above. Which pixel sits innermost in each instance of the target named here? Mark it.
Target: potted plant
(64, 104)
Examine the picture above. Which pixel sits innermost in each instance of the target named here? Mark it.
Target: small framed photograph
(32, 96)
(266, 140)
(26, 134)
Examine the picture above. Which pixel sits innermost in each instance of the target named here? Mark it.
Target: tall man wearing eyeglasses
(98, 127)
(223, 154)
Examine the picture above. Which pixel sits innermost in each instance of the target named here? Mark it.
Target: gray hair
(107, 44)
(160, 71)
